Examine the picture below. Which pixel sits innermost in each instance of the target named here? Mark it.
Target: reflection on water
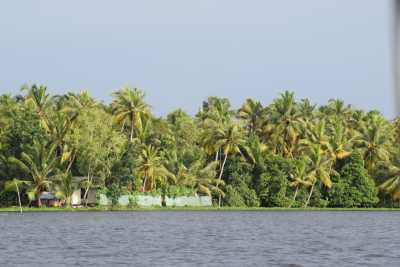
(200, 238)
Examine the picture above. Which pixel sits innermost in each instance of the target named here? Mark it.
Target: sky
(180, 52)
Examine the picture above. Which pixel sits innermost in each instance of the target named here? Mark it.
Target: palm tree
(16, 185)
(80, 101)
(342, 139)
(65, 187)
(251, 111)
(300, 178)
(230, 140)
(40, 163)
(257, 150)
(39, 100)
(129, 107)
(320, 169)
(392, 184)
(337, 108)
(208, 138)
(375, 140)
(306, 109)
(199, 177)
(286, 118)
(391, 187)
(316, 133)
(216, 109)
(61, 126)
(151, 169)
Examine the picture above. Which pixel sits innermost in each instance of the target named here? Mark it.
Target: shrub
(354, 187)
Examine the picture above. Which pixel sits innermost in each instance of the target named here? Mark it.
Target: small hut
(49, 199)
(77, 198)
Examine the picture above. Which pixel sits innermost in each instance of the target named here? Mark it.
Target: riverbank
(214, 209)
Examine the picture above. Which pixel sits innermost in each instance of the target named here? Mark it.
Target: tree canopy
(288, 153)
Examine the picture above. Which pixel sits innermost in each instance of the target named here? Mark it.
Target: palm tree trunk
(19, 197)
(39, 202)
(85, 196)
(220, 178)
(144, 184)
(131, 135)
(68, 202)
(309, 196)
(294, 197)
(70, 163)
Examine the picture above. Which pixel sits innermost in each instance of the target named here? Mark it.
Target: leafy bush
(272, 185)
(239, 194)
(178, 191)
(354, 187)
(113, 193)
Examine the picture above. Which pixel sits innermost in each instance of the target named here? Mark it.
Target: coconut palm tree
(286, 118)
(216, 109)
(337, 108)
(150, 167)
(300, 177)
(231, 141)
(38, 98)
(320, 169)
(306, 109)
(64, 188)
(342, 139)
(40, 164)
(391, 187)
(80, 101)
(316, 133)
(129, 107)
(251, 111)
(200, 178)
(375, 139)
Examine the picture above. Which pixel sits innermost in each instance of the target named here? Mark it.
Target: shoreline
(200, 209)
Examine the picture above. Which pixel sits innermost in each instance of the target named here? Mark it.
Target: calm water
(200, 238)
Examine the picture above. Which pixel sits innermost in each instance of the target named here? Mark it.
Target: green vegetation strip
(214, 209)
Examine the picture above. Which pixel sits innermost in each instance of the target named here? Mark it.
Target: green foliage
(354, 187)
(272, 185)
(113, 193)
(179, 191)
(289, 153)
(239, 194)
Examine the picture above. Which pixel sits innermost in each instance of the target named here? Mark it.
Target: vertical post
(19, 197)
(396, 54)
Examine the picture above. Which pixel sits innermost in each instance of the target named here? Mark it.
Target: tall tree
(151, 169)
(231, 141)
(40, 163)
(320, 169)
(251, 111)
(38, 98)
(300, 177)
(286, 118)
(375, 140)
(129, 107)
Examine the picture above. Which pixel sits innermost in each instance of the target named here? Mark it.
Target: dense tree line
(289, 153)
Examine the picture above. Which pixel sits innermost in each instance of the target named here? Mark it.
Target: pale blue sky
(180, 52)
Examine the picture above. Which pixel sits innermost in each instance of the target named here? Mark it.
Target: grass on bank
(222, 209)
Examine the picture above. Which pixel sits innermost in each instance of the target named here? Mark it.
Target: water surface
(200, 239)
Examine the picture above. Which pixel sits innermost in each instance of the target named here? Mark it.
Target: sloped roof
(47, 196)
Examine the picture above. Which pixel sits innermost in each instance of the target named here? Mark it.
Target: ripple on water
(200, 239)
